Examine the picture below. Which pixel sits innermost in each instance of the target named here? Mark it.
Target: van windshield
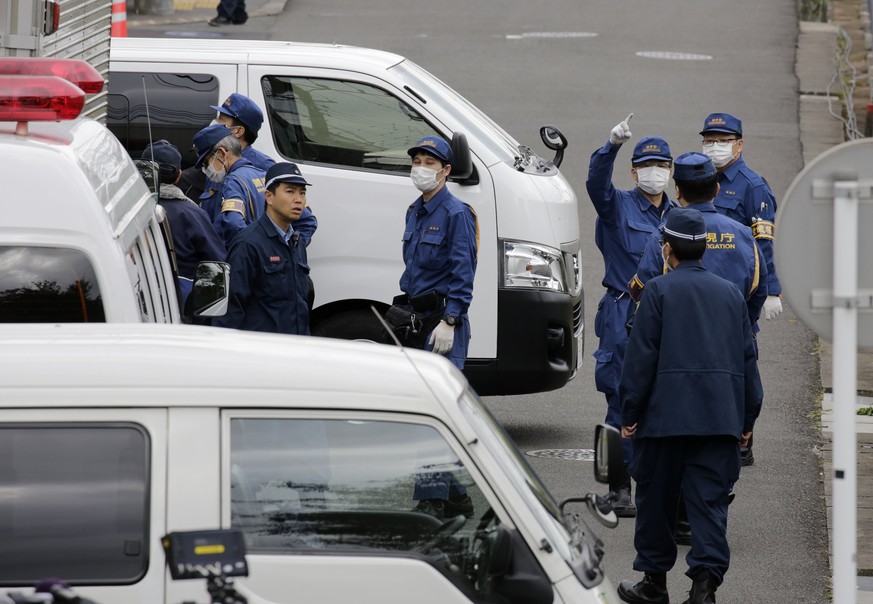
(471, 119)
(48, 285)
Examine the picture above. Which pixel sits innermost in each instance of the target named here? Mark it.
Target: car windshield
(538, 498)
(472, 121)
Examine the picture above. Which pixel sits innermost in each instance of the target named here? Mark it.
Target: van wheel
(351, 325)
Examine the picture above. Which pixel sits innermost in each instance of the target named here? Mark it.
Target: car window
(73, 503)
(179, 105)
(48, 285)
(341, 122)
(300, 486)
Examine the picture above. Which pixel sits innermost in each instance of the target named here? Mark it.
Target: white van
(81, 239)
(113, 435)
(347, 116)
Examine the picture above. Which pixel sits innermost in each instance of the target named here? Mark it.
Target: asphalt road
(576, 64)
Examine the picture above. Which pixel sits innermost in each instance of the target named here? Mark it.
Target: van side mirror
(210, 292)
(462, 166)
(555, 140)
(608, 454)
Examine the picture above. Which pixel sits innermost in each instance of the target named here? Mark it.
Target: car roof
(123, 364)
(330, 56)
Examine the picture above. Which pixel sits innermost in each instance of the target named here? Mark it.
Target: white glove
(772, 307)
(442, 337)
(621, 133)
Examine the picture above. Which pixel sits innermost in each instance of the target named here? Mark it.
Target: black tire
(351, 325)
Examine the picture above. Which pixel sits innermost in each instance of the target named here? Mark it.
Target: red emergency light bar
(75, 71)
(43, 98)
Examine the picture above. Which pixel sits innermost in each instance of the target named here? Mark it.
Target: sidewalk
(200, 11)
(816, 51)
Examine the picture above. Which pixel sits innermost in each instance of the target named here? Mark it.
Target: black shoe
(746, 456)
(682, 532)
(623, 503)
(458, 506)
(651, 590)
(431, 507)
(241, 21)
(702, 589)
(219, 20)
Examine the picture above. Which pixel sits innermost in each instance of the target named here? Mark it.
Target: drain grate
(568, 454)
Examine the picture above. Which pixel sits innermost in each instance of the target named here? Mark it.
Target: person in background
(690, 394)
(625, 221)
(747, 198)
(731, 253)
(194, 239)
(239, 199)
(440, 246)
(230, 11)
(269, 285)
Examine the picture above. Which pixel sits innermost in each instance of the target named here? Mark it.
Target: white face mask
(721, 155)
(216, 176)
(424, 179)
(653, 180)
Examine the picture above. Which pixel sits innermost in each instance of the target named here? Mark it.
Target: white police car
(114, 435)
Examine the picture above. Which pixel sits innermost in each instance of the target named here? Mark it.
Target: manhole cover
(551, 35)
(673, 56)
(569, 454)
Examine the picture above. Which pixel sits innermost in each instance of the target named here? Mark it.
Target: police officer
(690, 393)
(731, 253)
(244, 118)
(268, 270)
(439, 248)
(746, 197)
(193, 236)
(625, 222)
(239, 199)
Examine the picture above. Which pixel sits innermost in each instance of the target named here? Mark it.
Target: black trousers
(704, 468)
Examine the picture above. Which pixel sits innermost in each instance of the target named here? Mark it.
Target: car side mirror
(210, 292)
(462, 164)
(608, 453)
(555, 140)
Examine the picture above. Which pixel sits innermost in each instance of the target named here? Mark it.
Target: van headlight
(534, 266)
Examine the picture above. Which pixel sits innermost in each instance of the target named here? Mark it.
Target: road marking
(673, 56)
(551, 35)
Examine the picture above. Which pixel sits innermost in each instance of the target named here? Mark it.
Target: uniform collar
(690, 265)
(703, 207)
(730, 173)
(240, 163)
(286, 235)
(435, 202)
(645, 204)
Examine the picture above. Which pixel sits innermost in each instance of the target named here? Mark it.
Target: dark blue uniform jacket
(268, 282)
(625, 219)
(439, 250)
(690, 367)
(731, 253)
(193, 235)
(748, 199)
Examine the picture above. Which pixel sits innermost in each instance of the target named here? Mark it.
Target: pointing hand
(621, 133)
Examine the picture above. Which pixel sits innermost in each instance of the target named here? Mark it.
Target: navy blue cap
(205, 140)
(165, 153)
(690, 167)
(685, 223)
(284, 172)
(242, 108)
(722, 122)
(436, 146)
(651, 147)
